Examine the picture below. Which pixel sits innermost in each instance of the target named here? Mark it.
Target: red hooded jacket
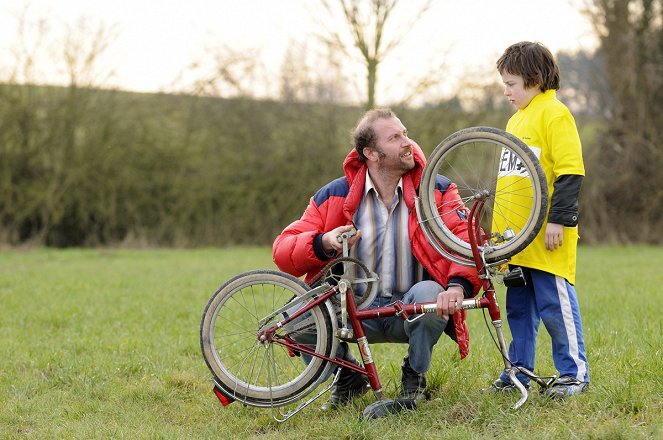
(298, 249)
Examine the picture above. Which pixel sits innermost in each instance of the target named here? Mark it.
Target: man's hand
(330, 241)
(554, 236)
(449, 302)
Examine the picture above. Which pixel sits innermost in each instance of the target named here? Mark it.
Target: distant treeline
(82, 167)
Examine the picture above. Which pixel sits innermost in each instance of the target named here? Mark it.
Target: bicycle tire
(473, 159)
(257, 373)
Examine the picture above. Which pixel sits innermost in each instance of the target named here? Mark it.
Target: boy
(531, 78)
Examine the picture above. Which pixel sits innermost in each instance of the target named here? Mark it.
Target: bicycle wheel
(489, 163)
(263, 373)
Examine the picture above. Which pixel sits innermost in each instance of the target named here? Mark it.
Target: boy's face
(515, 91)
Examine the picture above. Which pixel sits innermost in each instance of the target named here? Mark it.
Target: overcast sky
(155, 40)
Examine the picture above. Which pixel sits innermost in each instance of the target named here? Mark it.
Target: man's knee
(423, 291)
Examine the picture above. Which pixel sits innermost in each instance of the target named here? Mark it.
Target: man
(376, 195)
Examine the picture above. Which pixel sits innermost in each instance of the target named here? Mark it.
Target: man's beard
(392, 164)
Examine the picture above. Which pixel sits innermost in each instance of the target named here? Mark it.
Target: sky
(153, 41)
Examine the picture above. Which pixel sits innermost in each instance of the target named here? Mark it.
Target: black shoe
(413, 384)
(350, 384)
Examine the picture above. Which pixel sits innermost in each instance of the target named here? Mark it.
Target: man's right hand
(330, 241)
(449, 301)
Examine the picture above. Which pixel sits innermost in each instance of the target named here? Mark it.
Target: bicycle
(270, 340)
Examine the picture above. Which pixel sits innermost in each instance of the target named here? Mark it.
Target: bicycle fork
(489, 301)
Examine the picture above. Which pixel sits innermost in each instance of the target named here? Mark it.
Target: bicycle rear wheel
(488, 163)
(258, 373)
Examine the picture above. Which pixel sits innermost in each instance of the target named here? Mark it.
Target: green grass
(104, 344)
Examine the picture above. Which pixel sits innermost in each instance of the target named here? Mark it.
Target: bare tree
(83, 46)
(29, 44)
(366, 22)
(225, 72)
(45, 53)
(631, 152)
(46, 133)
(585, 86)
(309, 76)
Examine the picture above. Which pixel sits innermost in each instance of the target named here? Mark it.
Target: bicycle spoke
(252, 370)
(474, 159)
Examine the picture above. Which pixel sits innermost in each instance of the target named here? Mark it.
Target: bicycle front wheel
(489, 164)
(265, 373)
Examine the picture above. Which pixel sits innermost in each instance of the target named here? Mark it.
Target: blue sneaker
(566, 386)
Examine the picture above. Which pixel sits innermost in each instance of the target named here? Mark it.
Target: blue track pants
(553, 300)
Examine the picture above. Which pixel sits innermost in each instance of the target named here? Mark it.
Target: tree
(366, 26)
(629, 187)
(83, 46)
(47, 134)
(584, 85)
(318, 79)
(224, 73)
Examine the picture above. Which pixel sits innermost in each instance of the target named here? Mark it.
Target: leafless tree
(82, 48)
(366, 24)
(225, 72)
(631, 150)
(47, 52)
(26, 49)
(42, 143)
(310, 76)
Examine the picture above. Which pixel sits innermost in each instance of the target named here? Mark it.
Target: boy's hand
(554, 236)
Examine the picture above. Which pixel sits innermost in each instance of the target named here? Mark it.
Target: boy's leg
(523, 320)
(560, 313)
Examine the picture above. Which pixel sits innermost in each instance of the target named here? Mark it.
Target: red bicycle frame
(488, 300)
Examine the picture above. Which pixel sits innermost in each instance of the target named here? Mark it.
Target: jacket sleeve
(564, 204)
(454, 215)
(296, 250)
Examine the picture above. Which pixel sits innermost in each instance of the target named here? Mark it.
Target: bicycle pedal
(346, 235)
(515, 278)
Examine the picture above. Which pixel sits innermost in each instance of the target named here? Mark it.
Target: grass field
(102, 344)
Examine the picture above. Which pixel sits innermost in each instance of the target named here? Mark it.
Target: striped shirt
(384, 246)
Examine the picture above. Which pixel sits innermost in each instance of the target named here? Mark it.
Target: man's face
(515, 91)
(394, 148)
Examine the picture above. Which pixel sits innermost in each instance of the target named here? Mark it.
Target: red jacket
(298, 249)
